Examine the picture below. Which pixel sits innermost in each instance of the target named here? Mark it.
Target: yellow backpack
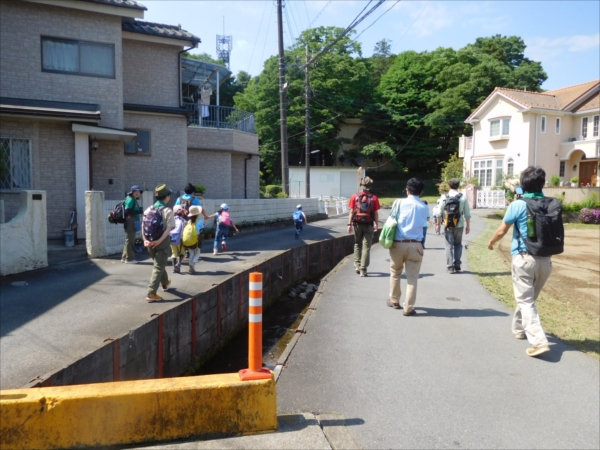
(190, 235)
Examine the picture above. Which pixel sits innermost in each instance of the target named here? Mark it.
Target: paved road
(451, 377)
(66, 311)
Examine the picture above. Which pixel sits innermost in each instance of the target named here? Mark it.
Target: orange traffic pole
(255, 370)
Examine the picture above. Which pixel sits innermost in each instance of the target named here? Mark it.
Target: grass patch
(563, 317)
(582, 226)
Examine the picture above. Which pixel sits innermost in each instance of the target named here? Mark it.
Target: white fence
(491, 199)
(114, 234)
(333, 205)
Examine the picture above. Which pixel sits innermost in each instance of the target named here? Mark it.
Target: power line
(257, 34)
(262, 57)
(375, 21)
(413, 22)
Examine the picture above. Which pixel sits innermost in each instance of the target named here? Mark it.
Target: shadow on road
(453, 313)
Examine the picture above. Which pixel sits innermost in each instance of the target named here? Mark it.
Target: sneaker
(363, 274)
(357, 271)
(457, 267)
(215, 252)
(133, 261)
(123, 260)
(451, 269)
(224, 246)
(166, 286)
(520, 336)
(192, 270)
(537, 351)
(153, 298)
(177, 269)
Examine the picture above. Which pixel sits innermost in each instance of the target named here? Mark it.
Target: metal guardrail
(224, 117)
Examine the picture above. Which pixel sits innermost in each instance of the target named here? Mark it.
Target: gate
(491, 199)
(114, 234)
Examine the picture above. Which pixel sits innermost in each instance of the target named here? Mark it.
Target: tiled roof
(133, 4)
(569, 94)
(531, 99)
(160, 30)
(591, 103)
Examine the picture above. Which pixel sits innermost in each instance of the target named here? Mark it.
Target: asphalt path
(453, 376)
(50, 318)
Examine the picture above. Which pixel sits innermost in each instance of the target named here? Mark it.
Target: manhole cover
(453, 299)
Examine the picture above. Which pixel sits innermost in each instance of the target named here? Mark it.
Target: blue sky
(563, 35)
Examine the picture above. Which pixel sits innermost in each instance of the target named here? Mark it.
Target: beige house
(557, 130)
(92, 98)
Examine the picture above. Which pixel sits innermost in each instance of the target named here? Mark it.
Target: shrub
(474, 181)
(554, 180)
(272, 190)
(282, 195)
(443, 187)
(590, 215)
(199, 189)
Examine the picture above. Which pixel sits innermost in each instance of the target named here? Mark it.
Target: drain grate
(453, 299)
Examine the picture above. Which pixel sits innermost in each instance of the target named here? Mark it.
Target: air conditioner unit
(572, 139)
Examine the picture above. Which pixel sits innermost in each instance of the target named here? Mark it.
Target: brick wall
(150, 75)
(21, 26)
(212, 170)
(168, 162)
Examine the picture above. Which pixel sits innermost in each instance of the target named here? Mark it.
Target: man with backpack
(131, 214)
(363, 221)
(454, 213)
(538, 234)
(158, 223)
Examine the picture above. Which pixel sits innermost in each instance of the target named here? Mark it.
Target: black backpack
(549, 229)
(117, 215)
(451, 212)
(363, 209)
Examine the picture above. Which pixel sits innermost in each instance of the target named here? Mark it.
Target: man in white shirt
(454, 234)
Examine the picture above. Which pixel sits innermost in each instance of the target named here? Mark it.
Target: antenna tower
(224, 46)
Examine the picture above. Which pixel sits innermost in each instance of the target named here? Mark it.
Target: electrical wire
(375, 21)
(413, 22)
(262, 57)
(257, 34)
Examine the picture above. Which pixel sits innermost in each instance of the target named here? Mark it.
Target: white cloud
(543, 49)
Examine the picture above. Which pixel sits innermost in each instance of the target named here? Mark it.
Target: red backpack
(363, 209)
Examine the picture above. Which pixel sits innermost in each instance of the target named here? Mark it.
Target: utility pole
(285, 169)
(307, 127)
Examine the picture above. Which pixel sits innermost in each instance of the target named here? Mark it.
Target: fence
(214, 116)
(327, 205)
(491, 199)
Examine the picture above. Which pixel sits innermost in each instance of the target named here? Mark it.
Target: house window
(78, 57)
(557, 126)
(15, 164)
(499, 166)
(140, 145)
(543, 125)
(510, 167)
(595, 131)
(495, 127)
(483, 171)
(561, 170)
(584, 124)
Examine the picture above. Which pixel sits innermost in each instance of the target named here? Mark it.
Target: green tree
(453, 168)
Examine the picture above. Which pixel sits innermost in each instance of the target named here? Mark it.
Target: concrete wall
(21, 26)
(571, 194)
(150, 73)
(23, 241)
(168, 161)
(168, 344)
(222, 139)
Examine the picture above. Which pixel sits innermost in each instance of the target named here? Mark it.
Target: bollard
(255, 370)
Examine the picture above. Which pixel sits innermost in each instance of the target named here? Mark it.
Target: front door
(587, 170)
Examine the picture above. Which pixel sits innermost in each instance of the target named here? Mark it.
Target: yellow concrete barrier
(135, 411)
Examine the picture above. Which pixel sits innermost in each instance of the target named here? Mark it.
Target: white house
(556, 130)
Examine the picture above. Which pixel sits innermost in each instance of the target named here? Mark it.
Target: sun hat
(366, 182)
(177, 209)
(162, 190)
(134, 188)
(299, 207)
(195, 210)
(224, 206)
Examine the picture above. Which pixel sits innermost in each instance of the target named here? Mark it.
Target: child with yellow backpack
(192, 236)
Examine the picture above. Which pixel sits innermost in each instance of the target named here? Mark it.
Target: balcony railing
(212, 116)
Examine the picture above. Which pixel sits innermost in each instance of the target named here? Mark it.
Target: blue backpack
(297, 216)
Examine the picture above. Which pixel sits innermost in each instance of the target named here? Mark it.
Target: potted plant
(574, 181)
(199, 190)
(554, 181)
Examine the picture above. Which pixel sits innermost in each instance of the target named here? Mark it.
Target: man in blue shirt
(529, 273)
(407, 250)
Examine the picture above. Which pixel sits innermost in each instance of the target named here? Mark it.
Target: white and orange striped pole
(255, 370)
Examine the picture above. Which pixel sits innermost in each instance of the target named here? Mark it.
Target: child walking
(426, 226)
(177, 250)
(299, 218)
(223, 223)
(191, 236)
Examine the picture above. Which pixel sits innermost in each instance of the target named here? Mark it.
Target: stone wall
(21, 27)
(150, 73)
(168, 159)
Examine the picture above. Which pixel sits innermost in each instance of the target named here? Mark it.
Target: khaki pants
(128, 253)
(529, 274)
(363, 238)
(409, 256)
(160, 255)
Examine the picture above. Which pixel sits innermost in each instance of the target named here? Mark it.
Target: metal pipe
(246, 176)
(307, 129)
(179, 69)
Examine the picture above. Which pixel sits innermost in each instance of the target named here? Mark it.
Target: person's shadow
(454, 313)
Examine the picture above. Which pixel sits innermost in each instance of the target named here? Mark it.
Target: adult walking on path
(530, 270)
(132, 223)
(407, 250)
(455, 213)
(158, 223)
(363, 221)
